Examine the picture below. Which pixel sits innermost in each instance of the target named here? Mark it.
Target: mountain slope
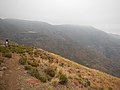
(82, 44)
(41, 63)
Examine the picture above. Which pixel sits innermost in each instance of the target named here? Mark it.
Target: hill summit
(27, 68)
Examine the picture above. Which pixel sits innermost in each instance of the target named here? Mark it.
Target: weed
(28, 67)
(63, 79)
(51, 71)
(54, 82)
(8, 55)
(33, 63)
(61, 64)
(23, 60)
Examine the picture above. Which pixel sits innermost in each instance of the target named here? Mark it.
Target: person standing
(6, 42)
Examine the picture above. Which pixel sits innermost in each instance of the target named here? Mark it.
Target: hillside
(27, 68)
(85, 45)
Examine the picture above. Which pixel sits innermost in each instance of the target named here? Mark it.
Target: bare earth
(15, 77)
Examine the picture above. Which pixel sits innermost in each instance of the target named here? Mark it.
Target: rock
(4, 68)
(1, 73)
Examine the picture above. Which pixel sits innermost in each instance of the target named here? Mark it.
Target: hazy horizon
(101, 14)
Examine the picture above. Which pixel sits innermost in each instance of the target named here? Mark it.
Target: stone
(4, 68)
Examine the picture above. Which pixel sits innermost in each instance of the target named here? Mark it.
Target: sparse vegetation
(61, 64)
(54, 83)
(36, 54)
(23, 60)
(8, 55)
(27, 67)
(48, 71)
(86, 84)
(63, 79)
(33, 63)
(51, 71)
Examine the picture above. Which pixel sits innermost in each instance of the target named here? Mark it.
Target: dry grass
(56, 71)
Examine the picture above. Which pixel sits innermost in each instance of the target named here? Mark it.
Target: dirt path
(15, 77)
(11, 74)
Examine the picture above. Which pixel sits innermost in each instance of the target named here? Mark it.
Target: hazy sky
(103, 14)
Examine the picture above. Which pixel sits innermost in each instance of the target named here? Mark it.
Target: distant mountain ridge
(83, 44)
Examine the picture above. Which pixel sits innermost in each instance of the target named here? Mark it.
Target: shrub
(33, 63)
(23, 60)
(86, 84)
(33, 71)
(8, 55)
(54, 82)
(51, 71)
(36, 54)
(49, 78)
(61, 64)
(43, 78)
(28, 67)
(4, 49)
(63, 79)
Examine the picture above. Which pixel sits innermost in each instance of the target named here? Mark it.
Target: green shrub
(54, 82)
(86, 84)
(43, 78)
(49, 78)
(61, 64)
(51, 71)
(29, 49)
(36, 54)
(4, 49)
(50, 60)
(39, 75)
(32, 63)
(8, 55)
(63, 79)
(28, 67)
(33, 71)
(23, 60)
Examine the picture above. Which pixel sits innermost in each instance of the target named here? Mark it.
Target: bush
(63, 79)
(54, 82)
(33, 71)
(4, 49)
(8, 55)
(23, 60)
(32, 63)
(49, 78)
(86, 84)
(43, 78)
(61, 64)
(51, 71)
(28, 67)
(36, 54)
